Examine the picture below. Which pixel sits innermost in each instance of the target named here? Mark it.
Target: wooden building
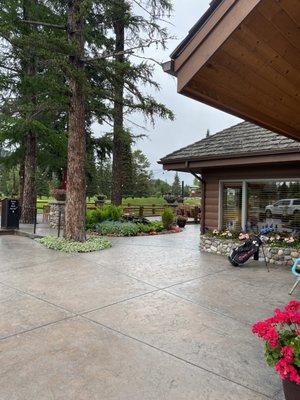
(250, 177)
(243, 57)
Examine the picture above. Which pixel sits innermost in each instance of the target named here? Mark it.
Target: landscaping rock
(57, 208)
(274, 255)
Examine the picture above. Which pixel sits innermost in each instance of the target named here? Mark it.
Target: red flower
(281, 317)
(288, 354)
(293, 306)
(287, 371)
(283, 368)
(266, 331)
(294, 376)
(294, 317)
(279, 338)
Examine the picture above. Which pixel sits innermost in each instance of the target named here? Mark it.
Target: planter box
(275, 255)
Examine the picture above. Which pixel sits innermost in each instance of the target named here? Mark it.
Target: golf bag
(249, 249)
(242, 253)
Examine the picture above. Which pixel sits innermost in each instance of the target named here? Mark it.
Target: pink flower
(287, 371)
(266, 331)
(294, 317)
(283, 369)
(294, 376)
(293, 306)
(288, 354)
(281, 317)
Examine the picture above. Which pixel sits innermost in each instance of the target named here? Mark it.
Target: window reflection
(274, 203)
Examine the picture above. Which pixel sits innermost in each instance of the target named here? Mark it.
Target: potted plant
(181, 221)
(281, 334)
(59, 194)
(169, 198)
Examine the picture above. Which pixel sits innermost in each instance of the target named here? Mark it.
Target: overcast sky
(192, 118)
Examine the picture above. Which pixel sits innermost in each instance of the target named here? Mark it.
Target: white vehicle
(283, 207)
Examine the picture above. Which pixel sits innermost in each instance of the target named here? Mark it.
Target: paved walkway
(149, 319)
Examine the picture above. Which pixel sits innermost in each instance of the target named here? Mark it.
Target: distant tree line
(99, 180)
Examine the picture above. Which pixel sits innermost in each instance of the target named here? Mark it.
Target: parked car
(283, 207)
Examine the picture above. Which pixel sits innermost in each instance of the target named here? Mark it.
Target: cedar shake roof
(241, 139)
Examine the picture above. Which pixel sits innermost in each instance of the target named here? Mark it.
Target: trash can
(10, 214)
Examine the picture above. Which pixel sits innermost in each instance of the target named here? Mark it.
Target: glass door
(232, 206)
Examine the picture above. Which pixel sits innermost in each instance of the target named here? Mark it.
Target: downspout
(203, 196)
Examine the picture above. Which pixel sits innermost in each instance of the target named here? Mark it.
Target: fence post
(153, 209)
(141, 212)
(59, 222)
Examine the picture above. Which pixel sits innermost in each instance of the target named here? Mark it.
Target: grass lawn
(142, 201)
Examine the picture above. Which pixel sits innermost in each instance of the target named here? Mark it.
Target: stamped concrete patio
(149, 319)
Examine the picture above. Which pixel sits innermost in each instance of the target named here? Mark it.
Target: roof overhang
(244, 58)
(229, 162)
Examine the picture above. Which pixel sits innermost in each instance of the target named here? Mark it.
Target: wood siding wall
(213, 177)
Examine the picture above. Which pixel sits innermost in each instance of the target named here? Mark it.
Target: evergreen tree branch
(153, 16)
(9, 68)
(127, 51)
(148, 59)
(45, 24)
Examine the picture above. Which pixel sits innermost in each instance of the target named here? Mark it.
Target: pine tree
(55, 48)
(132, 30)
(176, 187)
(75, 79)
(141, 174)
(27, 94)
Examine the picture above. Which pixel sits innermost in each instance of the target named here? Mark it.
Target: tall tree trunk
(21, 176)
(29, 190)
(76, 186)
(30, 142)
(118, 131)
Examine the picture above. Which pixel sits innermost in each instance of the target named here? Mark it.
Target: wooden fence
(146, 210)
(151, 210)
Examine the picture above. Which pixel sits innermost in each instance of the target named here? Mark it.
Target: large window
(252, 205)
(274, 203)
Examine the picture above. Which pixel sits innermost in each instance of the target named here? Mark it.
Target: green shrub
(69, 246)
(108, 212)
(117, 228)
(155, 226)
(167, 218)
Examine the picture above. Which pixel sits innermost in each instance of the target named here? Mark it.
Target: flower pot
(170, 199)
(59, 194)
(291, 390)
(61, 197)
(181, 223)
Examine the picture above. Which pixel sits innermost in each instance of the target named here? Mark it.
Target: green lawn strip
(134, 202)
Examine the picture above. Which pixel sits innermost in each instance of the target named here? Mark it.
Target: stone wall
(275, 255)
(56, 208)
